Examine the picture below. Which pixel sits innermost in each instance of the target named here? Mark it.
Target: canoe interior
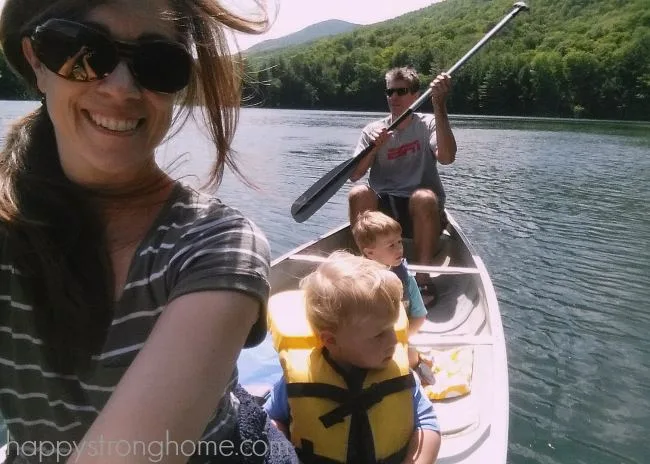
(464, 314)
(460, 306)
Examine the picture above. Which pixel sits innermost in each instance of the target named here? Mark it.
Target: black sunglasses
(400, 91)
(78, 52)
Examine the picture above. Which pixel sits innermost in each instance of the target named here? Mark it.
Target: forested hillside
(583, 58)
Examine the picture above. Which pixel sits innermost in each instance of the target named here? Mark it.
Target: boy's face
(387, 250)
(368, 343)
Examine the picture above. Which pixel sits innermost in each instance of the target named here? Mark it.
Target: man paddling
(404, 180)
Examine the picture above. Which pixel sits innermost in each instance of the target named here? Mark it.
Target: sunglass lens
(400, 91)
(74, 52)
(162, 66)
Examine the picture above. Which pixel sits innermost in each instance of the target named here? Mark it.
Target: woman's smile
(121, 126)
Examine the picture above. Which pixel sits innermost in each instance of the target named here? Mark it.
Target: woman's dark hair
(55, 233)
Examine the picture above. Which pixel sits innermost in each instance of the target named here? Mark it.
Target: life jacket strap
(349, 401)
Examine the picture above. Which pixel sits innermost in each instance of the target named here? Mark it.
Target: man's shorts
(398, 209)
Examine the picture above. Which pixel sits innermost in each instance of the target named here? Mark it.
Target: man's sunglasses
(78, 52)
(401, 91)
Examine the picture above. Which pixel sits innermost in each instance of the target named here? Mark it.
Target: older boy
(379, 237)
(351, 397)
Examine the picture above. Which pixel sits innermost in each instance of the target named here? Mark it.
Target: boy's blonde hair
(348, 288)
(373, 224)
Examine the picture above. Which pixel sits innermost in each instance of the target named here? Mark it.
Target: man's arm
(446, 142)
(378, 138)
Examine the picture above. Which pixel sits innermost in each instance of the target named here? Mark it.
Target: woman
(125, 297)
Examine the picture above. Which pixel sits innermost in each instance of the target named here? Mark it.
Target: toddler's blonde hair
(348, 288)
(373, 224)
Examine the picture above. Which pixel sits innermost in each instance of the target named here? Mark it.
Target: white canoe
(465, 314)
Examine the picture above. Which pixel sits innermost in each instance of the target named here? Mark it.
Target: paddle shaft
(519, 6)
(319, 193)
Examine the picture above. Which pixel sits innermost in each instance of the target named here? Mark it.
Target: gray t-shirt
(407, 160)
(196, 244)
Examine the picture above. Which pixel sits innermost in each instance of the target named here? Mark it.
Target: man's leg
(423, 207)
(361, 198)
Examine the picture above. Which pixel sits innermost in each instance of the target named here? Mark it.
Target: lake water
(558, 210)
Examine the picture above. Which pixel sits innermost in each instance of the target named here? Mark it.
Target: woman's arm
(176, 381)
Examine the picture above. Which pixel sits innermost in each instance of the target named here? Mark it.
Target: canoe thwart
(418, 268)
(411, 267)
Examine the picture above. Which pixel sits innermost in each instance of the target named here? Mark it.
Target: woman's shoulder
(192, 212)
(194, 223)
(197, 242)
(192, 204)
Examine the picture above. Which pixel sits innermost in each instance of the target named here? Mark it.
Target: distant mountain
(308, 34)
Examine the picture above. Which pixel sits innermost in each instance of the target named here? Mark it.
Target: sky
(294, 15)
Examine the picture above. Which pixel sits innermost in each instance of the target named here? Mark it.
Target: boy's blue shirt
(416, 306)
(277, 406)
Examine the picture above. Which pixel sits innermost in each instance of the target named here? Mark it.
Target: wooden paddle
(319, 193)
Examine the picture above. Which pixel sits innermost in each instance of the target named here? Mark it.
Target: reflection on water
(558, 211)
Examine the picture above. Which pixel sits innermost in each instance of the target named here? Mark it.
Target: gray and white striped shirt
(196, 244)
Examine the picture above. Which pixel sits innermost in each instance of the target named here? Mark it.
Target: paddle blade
(319, 193)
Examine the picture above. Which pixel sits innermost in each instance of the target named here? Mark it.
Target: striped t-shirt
(195, 244)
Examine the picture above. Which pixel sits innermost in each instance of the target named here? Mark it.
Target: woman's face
(107, 130)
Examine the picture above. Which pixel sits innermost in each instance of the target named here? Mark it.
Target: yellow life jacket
(328, 411)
